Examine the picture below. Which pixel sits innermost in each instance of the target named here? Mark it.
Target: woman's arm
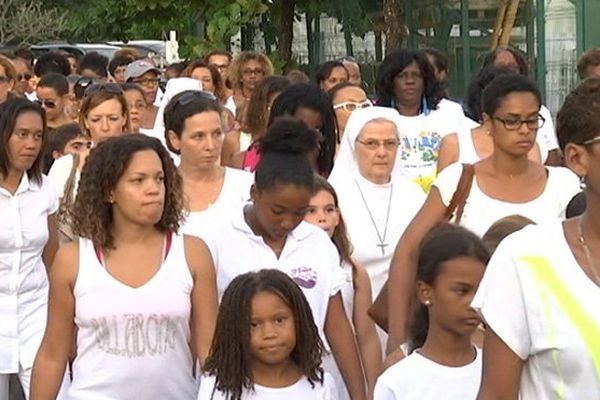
(448, 152)
(366, 334)
(204, 296)
(501, 370)
(237, 160)
(343, 346)
(231, 145)
(52, 244)
(53, 354)
(404, 267)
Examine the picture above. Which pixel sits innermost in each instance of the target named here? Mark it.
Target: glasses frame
(51, 104)
(591, 141)
(385, 143)
(540, 119)
(364, 104)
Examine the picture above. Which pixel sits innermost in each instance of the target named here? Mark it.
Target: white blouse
(23, 279)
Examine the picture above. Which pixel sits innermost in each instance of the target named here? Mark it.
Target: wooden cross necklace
(382, 245)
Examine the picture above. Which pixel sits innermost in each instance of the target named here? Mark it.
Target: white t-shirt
(309, 257)
(481, 211)
(301, 390)
(419, 378)
(23, 279)
(235, 192)
(543, 306)
(59, 174)
(420, 138)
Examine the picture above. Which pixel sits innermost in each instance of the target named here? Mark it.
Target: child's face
(323, 212)
(78, 145)
(272, 330)
(451, 294)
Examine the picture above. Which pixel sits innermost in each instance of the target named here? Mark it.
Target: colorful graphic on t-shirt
(305, 277)
(419, 155)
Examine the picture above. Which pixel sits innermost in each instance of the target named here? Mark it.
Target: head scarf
(346, 163)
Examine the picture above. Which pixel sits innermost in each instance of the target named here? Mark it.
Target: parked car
(79, 49)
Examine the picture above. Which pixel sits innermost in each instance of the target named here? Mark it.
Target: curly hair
(396, 62)
(92, 214)
(256, 114)
(229, 358)
(578, 119)
(220, 89)
(235, 69)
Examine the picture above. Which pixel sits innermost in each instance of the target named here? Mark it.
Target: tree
(395, 30)
(27, 21)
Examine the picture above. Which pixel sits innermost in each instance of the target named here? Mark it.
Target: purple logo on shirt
(305, 277)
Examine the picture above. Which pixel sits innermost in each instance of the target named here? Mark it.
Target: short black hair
(9, 112)
(518, 55)
(118, 61)
(183, 106)
(52, 61)
(57, 141)
(25, 54)
(502, 86)
(326, 68)
(472, 105)
(95, 62)
(578, 119)
(439, 59)
(309, 95)
(396, 62)
(55, 81)
(284, 155)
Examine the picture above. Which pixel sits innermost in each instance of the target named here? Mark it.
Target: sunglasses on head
(192, 95)
(46, 103)
(82, 84)
(112, 88)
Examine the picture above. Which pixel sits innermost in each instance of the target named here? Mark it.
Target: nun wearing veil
(376, 200)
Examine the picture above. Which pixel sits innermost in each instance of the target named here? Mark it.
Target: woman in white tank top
(143, 304)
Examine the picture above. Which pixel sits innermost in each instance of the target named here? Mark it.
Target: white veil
(345, 162)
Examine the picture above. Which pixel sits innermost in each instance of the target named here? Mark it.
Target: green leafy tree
(28, 21)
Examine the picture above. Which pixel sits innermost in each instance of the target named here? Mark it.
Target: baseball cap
(139, 68)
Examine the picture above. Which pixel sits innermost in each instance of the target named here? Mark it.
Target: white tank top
(133, 343)
(466, 148)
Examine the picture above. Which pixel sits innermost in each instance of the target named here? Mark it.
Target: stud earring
(427, 303)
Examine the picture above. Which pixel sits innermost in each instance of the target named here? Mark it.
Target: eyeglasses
(24, 77)
(221, 67)
(353, 105)
(147, 82)
(46, 103)
(256, 71)
(4, 79)
(593, 140)
(513, 124)
(372, 144)
(111, 88)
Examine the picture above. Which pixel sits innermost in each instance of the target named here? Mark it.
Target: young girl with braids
(356, 293)
(443, 363)
(266, 345)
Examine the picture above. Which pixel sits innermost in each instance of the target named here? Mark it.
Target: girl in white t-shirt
(505, 183)
(443, 363)
(138, 298)
(356, 293)
(266, 344)
(540, 294)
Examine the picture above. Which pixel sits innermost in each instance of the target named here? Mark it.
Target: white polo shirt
(23, 278)
(308, 257)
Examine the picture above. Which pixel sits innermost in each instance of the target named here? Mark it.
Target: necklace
(588, 253)
(382, 245)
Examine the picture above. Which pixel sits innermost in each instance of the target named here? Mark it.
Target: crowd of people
(216, 231)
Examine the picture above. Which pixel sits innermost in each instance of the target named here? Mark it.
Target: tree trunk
(509, 22)
(286, 30)
(498, 24)
(394, 25)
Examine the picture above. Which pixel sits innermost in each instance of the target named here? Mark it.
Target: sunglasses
(46, 103)
(192, 95)
(353, 105)
(81, 85)
(24, 77)
(112, 88)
